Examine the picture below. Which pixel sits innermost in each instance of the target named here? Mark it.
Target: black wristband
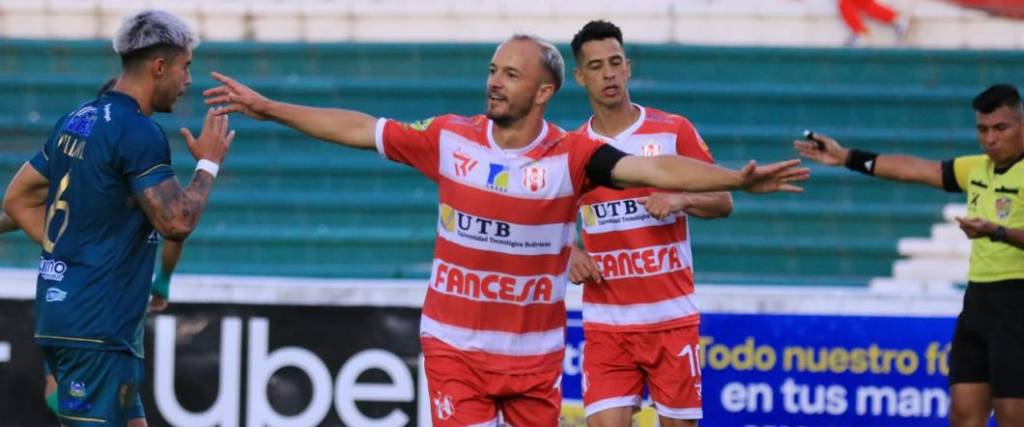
(999, 235)
(861, 161)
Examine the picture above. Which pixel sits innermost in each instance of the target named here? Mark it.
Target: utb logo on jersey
(421, 125)
(448, 218)
(589, 217)
(497, 178)
(464, 164)
(535, 177)
(651, 149)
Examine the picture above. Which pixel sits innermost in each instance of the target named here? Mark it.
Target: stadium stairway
(287, 205)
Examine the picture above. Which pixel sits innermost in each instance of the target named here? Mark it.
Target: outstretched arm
(175, 211)
(893, 167)
(684, 174)
(25, 203)
(344, 127)
(701, 205)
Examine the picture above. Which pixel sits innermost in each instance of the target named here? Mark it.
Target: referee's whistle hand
(822, 149)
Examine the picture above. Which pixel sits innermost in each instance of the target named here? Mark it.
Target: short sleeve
(414, 144)
(956, 172)
(690, 144)
(41, 162)
(144, 156)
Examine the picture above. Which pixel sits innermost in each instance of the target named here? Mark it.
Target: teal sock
(51, 401)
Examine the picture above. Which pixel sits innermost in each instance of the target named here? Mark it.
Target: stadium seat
(25, 18)
(276, 20)
(288, 205)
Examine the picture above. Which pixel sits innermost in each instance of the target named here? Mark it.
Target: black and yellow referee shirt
(995, 196)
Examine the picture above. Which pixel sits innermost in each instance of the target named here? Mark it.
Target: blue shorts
(95, 387)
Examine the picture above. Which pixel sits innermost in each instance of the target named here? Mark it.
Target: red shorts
(462, 395)
(615, 365)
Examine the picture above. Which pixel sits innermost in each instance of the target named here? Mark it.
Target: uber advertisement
(265, 365)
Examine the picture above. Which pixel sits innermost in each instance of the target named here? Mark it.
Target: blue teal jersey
(99, 247)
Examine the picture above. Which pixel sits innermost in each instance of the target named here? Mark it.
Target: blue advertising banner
(764, 370)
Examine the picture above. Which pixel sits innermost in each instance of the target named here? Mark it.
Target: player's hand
(157, 304)
(830, 153)
(238, 97)
(661, 205)
(976, 227)
(582, 268)
(774, 177)
(214, 140)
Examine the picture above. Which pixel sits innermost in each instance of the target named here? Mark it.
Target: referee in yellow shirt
(987, 358)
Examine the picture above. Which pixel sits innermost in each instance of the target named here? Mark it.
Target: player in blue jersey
(108, 189)
(159, 290)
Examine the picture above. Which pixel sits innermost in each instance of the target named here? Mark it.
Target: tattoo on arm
(175, 211)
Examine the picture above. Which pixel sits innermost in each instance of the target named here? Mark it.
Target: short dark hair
(997, 96)
(595, 30)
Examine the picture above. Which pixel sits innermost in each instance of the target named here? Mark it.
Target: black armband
(861, 161)
(599, 169)
(949, 178)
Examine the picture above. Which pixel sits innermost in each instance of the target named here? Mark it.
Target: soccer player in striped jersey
(639, 317)
(493, 323)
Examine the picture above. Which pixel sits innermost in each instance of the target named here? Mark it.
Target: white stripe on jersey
(495, 342)
(640, 314)
(619, 215)
(487, 234)
(475, 285)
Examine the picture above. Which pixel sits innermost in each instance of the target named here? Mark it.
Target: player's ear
(545, 92)
(158, 66)
(578, 74)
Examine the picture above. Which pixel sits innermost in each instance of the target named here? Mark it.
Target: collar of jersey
(1000, 171)
(629, 131)
(122, 97)
(516, 151)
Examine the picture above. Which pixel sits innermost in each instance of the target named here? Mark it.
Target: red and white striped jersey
(506, 220)
(646, 263)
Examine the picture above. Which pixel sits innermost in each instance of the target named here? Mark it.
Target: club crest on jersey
(464, 164)
(448, 218)
(535, 177)
(497, 178)
(443, 406)
(1003, 207)
(650, 149)
(81, 122)
(77, 389)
